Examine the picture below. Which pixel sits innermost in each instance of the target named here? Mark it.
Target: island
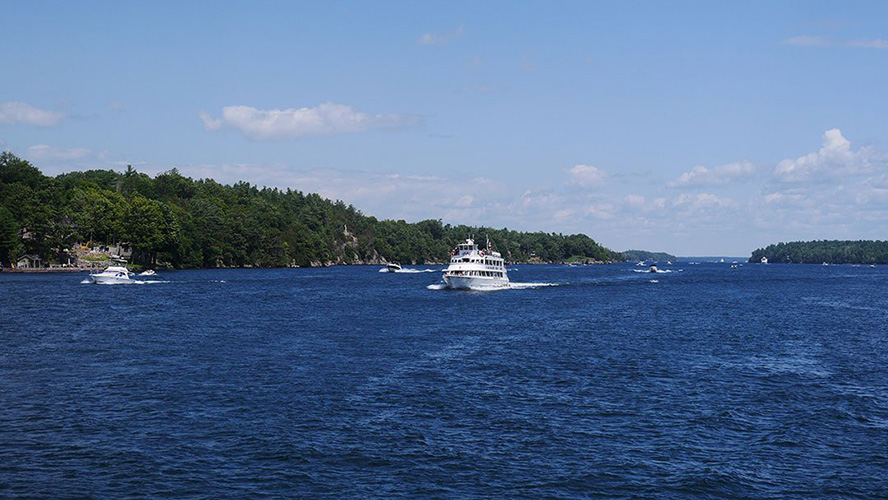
(644, 255)
(80, 220)
(825, 251)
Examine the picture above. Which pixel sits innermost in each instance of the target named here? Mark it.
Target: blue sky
(691, 127)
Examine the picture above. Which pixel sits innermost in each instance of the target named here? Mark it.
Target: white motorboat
(471, 268)
(764, 260)
(393, 267)
(114, 274)
(148, 272)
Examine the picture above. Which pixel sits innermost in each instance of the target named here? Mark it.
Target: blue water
(760, 382)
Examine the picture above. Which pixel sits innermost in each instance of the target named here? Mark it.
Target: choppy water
(760, 382)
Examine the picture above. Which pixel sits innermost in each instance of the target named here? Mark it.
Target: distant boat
(393, 267)
(147, 272)
(764, 260)
(825, 264)
(640, 263)
(654, 269)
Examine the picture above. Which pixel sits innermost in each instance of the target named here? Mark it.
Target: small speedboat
(393, 267)
(654, 269)
(147, 272)
(113, 275)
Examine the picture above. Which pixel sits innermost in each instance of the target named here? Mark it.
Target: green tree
(151, 227)
(9, 236)
(98, 213)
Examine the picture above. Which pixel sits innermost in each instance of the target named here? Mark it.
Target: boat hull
(474, 282)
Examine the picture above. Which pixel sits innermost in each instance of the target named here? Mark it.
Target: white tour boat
(112, 275)
(473, 268)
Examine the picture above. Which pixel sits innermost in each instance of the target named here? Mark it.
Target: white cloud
(834, 159)
(808, 41)
(716, 176)
(586, 176)
(868, 44)
(14, 112)
(42, 152)
(703, 201)
(566, 213)
(541, 200)
(439, 38)
(634, 200)
(819, 41)
(601, 211)
(325, 119)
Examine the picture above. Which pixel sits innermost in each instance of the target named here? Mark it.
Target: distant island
(829, 251)
(82, 219)
(643, 255)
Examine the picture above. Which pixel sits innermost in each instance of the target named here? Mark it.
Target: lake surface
(711, 382)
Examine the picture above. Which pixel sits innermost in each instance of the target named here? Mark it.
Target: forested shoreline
(829, 251)
(644, 255)
(172, 220)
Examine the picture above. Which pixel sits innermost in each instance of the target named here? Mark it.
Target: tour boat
(112, 275)
(477, 269)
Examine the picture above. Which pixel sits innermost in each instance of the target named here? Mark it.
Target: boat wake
(523, 286)
(647, 271)
(510, 286)
(409, 271)
(128, 282)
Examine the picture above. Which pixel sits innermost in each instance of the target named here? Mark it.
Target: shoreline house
(29, 262)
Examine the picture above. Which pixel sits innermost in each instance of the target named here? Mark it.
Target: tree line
(829, 251)
(644, 255)
(177, 221)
